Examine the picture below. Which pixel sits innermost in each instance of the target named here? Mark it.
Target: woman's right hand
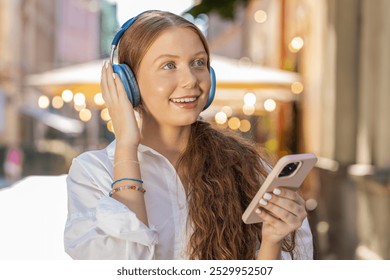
(119, 107)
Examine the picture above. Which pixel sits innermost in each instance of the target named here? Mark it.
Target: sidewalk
(32, 219)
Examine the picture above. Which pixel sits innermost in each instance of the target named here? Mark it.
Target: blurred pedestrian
(13, 163)
(175, 188)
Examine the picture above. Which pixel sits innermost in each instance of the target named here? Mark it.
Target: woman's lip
(183, 97)
(186, 105)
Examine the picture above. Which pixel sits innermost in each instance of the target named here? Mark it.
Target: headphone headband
(121, 31)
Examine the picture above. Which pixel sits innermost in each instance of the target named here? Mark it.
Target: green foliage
(225, 8)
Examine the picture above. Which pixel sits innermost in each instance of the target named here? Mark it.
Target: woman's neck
(170, 141)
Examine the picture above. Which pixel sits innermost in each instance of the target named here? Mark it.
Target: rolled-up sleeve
(100, 227)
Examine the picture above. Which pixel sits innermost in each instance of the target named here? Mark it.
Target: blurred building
(36, 36)
(341, 50)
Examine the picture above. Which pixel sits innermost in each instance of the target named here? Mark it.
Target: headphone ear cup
(129, 82)
(212, 89)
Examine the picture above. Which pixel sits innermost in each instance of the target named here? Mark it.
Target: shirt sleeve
(100, 227)
(303, 244)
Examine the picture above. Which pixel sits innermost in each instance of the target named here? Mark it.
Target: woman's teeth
(183, 100)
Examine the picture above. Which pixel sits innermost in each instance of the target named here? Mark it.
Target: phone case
(289, 172)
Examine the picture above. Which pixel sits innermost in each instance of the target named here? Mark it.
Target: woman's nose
(188, 77)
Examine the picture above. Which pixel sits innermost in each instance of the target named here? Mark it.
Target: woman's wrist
(126, 152)
(269, 250)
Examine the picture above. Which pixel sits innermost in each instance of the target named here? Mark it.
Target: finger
(284, 209)
(108, 84)
(122, 95)
(104, 86)
(111, 82)
(269, 218)
(289, 194)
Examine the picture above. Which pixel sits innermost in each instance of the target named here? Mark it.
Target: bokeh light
(220, 118)
(269, 105)
(234, 123)
(57, 102)
(260, 16)
(85, 115)
(98, 99)
(67, 95)
(105, 115)
(43, 102)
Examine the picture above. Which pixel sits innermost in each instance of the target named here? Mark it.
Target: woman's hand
(283, 211)
(119, 107)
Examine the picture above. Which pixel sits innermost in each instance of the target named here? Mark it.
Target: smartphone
(289, 172)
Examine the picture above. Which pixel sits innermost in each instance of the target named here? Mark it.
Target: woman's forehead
(177, 40)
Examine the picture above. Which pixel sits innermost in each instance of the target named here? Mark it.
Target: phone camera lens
(289, 169)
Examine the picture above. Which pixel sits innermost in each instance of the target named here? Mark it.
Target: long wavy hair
(221, 171)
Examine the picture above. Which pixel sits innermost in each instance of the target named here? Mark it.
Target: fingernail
(258, 211)
(113, 75)
(277, 191)
(263, 202)
(267, 196)
(107, 64)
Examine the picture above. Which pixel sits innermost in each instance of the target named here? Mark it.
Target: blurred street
(293, 76)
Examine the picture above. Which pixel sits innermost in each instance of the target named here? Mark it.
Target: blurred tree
(225, 8)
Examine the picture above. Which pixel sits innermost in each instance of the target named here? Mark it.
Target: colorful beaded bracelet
(136, 188)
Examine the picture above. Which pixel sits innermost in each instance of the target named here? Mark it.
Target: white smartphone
(289, 172)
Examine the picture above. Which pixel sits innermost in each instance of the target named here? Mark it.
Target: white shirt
(100, 227)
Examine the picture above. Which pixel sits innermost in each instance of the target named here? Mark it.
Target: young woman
(175, 188)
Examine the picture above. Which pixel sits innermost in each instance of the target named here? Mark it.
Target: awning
(58, 122)
(234, 79)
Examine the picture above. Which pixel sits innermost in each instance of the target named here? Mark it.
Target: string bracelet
(126, 179)
(135, 188)
(126, 160)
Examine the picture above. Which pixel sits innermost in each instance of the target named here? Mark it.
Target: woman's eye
(199, 63)
(169, 66)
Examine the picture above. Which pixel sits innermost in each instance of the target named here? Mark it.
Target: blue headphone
(127, 76)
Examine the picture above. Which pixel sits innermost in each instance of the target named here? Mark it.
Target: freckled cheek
(159, 89)
(205, 84)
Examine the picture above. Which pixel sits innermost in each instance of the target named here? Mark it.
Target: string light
(85, 115)
(296, 44)
(79, 99)
(67, 95)
(104, 114)
(260, 16)
(98, 99)
(220, 118)
(234, 123)
(80, 107)
(227, 110)
(250, 98)
(43, 102)
(269, 105)
(248, 109)
(245, 126)
(297, 87)
(110, 126)
(57, 102)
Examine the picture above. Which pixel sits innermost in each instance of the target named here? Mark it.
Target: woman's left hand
(283, 211)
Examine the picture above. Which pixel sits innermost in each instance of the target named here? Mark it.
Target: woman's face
(173, 77)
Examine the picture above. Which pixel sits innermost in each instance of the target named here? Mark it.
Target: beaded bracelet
(126, 179)
(136, 188)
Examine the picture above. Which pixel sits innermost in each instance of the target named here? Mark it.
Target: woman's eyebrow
(164, 56)
(171, 56)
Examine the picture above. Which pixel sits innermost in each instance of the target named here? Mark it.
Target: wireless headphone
(127, 76)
